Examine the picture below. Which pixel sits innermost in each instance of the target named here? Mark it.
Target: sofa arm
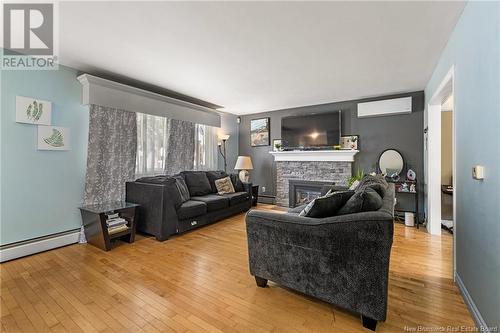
(247, 187)
(157, 214)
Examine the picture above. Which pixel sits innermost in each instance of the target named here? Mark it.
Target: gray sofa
(164, 213)
(343, 260)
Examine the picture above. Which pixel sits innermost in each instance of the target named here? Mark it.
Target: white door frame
(433, 156)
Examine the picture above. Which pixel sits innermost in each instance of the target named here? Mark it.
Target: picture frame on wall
(260, 132)
(30, 110)
(349, 142)
(53, 138)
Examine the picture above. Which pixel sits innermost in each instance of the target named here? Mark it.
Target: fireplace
(304, 191)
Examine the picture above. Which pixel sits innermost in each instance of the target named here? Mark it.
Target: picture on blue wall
(53, 138)
(33, 111)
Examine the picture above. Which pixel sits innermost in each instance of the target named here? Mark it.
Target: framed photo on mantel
(349, 142)
(260, 132)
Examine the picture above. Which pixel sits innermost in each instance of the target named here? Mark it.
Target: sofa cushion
(237, 183)
(224, 185)
(213, 176)
(213, 201)
(236, 197)
(182, 187)
(377, 182)
(191, 209)
(197, 182)
(297, 210)
(363, 200)
(327, 205)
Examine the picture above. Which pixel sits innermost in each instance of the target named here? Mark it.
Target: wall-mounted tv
(314, 131)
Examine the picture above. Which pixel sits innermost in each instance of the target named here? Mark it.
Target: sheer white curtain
(152, 140)
(205, 151)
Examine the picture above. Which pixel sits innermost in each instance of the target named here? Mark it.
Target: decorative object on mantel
(260, 132)
(277, 146)
(244, 163)
(53, 138)
(33, 111)
(349, 141)
(222, 148)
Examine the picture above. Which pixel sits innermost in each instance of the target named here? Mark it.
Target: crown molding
(99, 91)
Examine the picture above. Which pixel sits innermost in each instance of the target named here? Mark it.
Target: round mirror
(391, 163)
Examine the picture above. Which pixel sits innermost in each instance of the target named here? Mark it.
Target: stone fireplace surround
(321, 166)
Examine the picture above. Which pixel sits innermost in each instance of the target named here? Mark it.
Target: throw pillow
(364, 200)
(224, 185)
(327, 205)
(197, 183)
(237, 184)
(182, 188)
(213, 176)
(377, 182)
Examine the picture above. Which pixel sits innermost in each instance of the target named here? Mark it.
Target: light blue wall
(41, 190)
(474, 50)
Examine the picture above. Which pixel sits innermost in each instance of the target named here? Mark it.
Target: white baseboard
(25, 248)
(476, 315)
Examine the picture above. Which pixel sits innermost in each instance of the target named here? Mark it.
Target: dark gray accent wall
(402, 132)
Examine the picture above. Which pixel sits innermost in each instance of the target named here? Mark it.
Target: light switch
(478, 172)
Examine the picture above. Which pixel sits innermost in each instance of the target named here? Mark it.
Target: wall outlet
(263, 189)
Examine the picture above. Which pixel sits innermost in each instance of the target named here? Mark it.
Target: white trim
(433, 173)
(99, 91)
(315, 155)
(27, 248)
(476, 315)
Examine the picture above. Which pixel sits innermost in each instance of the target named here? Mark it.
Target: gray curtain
(111, 154)
(180, 146)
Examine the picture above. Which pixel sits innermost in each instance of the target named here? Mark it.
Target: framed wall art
(260, 132)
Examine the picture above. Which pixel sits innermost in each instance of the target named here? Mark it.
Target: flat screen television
(309, 132)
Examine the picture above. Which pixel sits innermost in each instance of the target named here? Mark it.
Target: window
(151, 145)
(205, 150)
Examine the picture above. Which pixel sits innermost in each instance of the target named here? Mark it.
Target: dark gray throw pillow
(182, 188)
(213, 176)
(364, 200)
(237, 183)
(327, 205)
(377, 182)
(197, 183)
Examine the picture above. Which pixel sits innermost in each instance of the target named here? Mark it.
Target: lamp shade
(224, 136)
(243, 163)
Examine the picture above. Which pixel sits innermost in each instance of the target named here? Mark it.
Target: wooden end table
(94, 223)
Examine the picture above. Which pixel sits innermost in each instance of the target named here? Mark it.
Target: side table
(255, 194)
(94, 219)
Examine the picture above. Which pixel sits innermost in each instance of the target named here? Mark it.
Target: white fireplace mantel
(315, 155)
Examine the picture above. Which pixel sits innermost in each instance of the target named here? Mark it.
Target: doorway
(447, 165)
(433, 158)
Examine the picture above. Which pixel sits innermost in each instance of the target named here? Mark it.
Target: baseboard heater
(39, 244)
(266, 199)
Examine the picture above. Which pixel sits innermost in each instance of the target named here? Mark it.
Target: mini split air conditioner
(385, 107)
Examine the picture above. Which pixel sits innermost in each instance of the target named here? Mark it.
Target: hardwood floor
(200, 282)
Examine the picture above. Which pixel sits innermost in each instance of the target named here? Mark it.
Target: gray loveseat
(343, 260)
(163, 212)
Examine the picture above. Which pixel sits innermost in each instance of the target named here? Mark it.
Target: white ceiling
(259, 56)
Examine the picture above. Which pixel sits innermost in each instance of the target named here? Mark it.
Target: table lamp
(244, 163)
